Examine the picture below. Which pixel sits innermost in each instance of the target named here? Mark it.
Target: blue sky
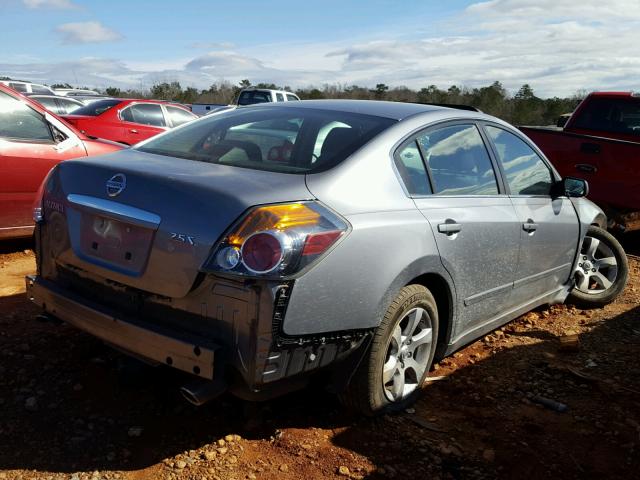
(555, 45)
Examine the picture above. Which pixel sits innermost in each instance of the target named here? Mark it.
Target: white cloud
(92, 72)
(86, 32)
(57, 4)
(556, 46)
(212, 45)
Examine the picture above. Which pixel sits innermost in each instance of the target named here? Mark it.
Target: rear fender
(414, 273)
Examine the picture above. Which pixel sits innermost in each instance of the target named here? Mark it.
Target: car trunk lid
(150, 221)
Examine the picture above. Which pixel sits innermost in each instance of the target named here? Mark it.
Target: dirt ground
(71, 408)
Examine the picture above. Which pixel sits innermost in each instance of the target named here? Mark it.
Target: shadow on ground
(18, 245)
(492, 428)
(67, 405)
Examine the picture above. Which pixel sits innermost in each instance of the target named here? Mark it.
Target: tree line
(521, 108)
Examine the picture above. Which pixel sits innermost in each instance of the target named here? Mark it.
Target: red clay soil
(72, 408)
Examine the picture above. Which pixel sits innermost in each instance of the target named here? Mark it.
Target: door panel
(480, 251)
(549, 229)
(24, 166)
(547, 251)
(142, 121)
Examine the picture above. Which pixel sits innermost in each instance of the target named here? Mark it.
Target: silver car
(359, 239)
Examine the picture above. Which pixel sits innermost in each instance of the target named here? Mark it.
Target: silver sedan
(256, 247)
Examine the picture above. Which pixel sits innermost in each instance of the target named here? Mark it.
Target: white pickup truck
(247, 96)
(251, 95)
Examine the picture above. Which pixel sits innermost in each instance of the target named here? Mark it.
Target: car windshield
(96, 108)
(277, 139)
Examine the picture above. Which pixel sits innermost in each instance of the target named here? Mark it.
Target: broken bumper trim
(185, 354)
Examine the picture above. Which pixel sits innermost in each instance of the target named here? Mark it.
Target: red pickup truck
(601, 143)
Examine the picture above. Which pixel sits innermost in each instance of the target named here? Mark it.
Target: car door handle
(449, 228)
(529, 226)
(589, 148)
(586, 167)
(133, 130)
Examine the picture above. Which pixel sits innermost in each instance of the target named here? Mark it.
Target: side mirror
(571, 187)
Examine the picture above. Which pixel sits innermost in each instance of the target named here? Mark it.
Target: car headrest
(338, 139)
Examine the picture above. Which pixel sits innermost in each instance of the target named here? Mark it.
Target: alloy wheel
(597, 267)
(408, 353)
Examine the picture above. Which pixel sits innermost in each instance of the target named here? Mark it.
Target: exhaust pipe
(200, 392)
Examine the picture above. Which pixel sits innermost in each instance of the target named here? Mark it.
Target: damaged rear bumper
(254, 359)
(189, 354)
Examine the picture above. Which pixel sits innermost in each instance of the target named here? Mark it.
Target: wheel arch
(443, 295)
(429, 272)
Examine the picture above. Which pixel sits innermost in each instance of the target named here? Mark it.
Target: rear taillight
(38, 206)
(277, 240)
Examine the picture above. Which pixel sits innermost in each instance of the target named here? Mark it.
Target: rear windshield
(277, 139)
(252, 97)
(96, 108)
(620, 115)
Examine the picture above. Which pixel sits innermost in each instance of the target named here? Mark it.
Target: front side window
(411, 168)
(288, 140)
(179, 116)
(145, 114)
(279, 97)
(292, 98)
(458, 161)
(18, 121)
(526, 172)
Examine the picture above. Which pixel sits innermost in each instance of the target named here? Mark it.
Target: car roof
(146, 100)
(393, 110)
(274, 90)
(57, 97)
(611, 94)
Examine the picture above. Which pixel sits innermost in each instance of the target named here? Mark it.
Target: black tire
(366, 391)
(595, 295)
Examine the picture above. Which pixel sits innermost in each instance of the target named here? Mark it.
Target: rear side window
(292, 98)
(18, 121)
(411, 168)
(526, 172)
(145, 114)
(96, 108)
(69, 105)
(611, 115)
(179, 116)
(39, 89)
(273, 138)
(48, 103)
(458, 161)
(20, 87)
(279, 97)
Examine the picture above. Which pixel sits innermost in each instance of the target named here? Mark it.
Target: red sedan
(128, 121)
(32, 141)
